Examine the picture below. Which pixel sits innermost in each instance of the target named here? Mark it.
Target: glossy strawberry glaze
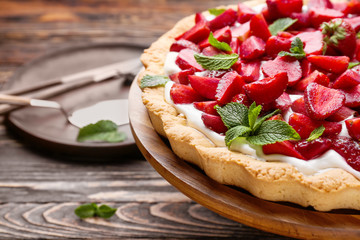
(325, 162)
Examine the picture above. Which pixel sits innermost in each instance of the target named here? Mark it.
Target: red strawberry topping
(334, 64)
(353, 127)
(182, 94)
(313, 149)
(252, 48)
(205, 86)
(214, 123)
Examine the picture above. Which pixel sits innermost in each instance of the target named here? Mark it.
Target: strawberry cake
(264, 95)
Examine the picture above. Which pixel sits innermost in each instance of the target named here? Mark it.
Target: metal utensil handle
(17, 100)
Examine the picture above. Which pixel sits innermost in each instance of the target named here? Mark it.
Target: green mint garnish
(316, 133)
(216, 62)
(245, 122)
(296, 50)
(353, 64)
(102, 131)
(93, 210)
(281, 25)
(219, 45)
(216, 11)
(153, 81)
(358, 35)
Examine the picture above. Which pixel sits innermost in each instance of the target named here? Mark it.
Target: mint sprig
(93, 210)
(280, 25)
(153, 81)
(102, 131)
(245, 122)
(217, 44)
(217, 62)
(216, 11)
(316, 133)
(353, 64)
(296, 50)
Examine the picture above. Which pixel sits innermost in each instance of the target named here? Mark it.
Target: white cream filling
(329, 160)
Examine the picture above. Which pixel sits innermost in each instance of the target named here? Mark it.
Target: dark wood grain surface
(39, 190)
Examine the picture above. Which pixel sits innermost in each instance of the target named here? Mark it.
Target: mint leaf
(102, 131)
(219, 45)
(153, 81)
(316, 133)
(92, 210)
(85, 211)
(280, 25)
(353, 64)
(358, 35)
(105, 211)
(217, 62)
(296, 50)
(273, 131)
(234, 114)
(216, 11)
(235, 132)
(254, 112)
(260, 121)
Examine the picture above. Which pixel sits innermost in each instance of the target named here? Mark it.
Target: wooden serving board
(235, 204)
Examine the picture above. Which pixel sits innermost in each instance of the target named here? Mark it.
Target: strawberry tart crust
(274, 181)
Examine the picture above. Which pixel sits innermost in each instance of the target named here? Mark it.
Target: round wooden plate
(284, 219)
(48, 129)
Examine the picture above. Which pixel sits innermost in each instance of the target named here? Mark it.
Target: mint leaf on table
(102, 131)
(216, 11)
(316, 133)
(353, 64)
(216, 62)
(93, 210)
(280, 25)
(153, 81)
(245, 122)
(296, 50)
(217, 44)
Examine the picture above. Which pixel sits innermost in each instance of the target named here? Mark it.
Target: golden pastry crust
(275, 181)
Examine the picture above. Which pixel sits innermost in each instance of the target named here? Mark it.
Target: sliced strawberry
(227, 18)
(316, 77)
(283, 64)
(334, 64)
(252, 48)
(276, 44)
(211, 51)
(245, 13)
(205, 86)
(286, 148)
(230, 84)
(320, 4)
(313, 41)
(343, 113)
(183, 94)
(348, 149)
(241, 32)
(197, 33)
(214, 123)
(307, 67)
(250, 70)
(354, 22)
(182, 44)
(298, 106)
(313, 149)
(347, 80)
(186, 60)
(340, 35)
(235, 45)
(242, 98)
(182, 76)
(259, 27)
(268, 89)
(285, 35)
(222, 35)
(277, 117)
(207, 107)
(353, 127)
(353, 7)
(320, 15)
(321, 102)
(352, 97)
(199, 17)
(304, 125)
(213, 73)
(283, 8)
(303, 20)
(283, 102)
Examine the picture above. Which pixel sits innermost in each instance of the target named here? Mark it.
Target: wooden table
(39, 191)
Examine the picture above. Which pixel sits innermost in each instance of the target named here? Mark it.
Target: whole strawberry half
(322, 102)
(268, 89)
(340, 35)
